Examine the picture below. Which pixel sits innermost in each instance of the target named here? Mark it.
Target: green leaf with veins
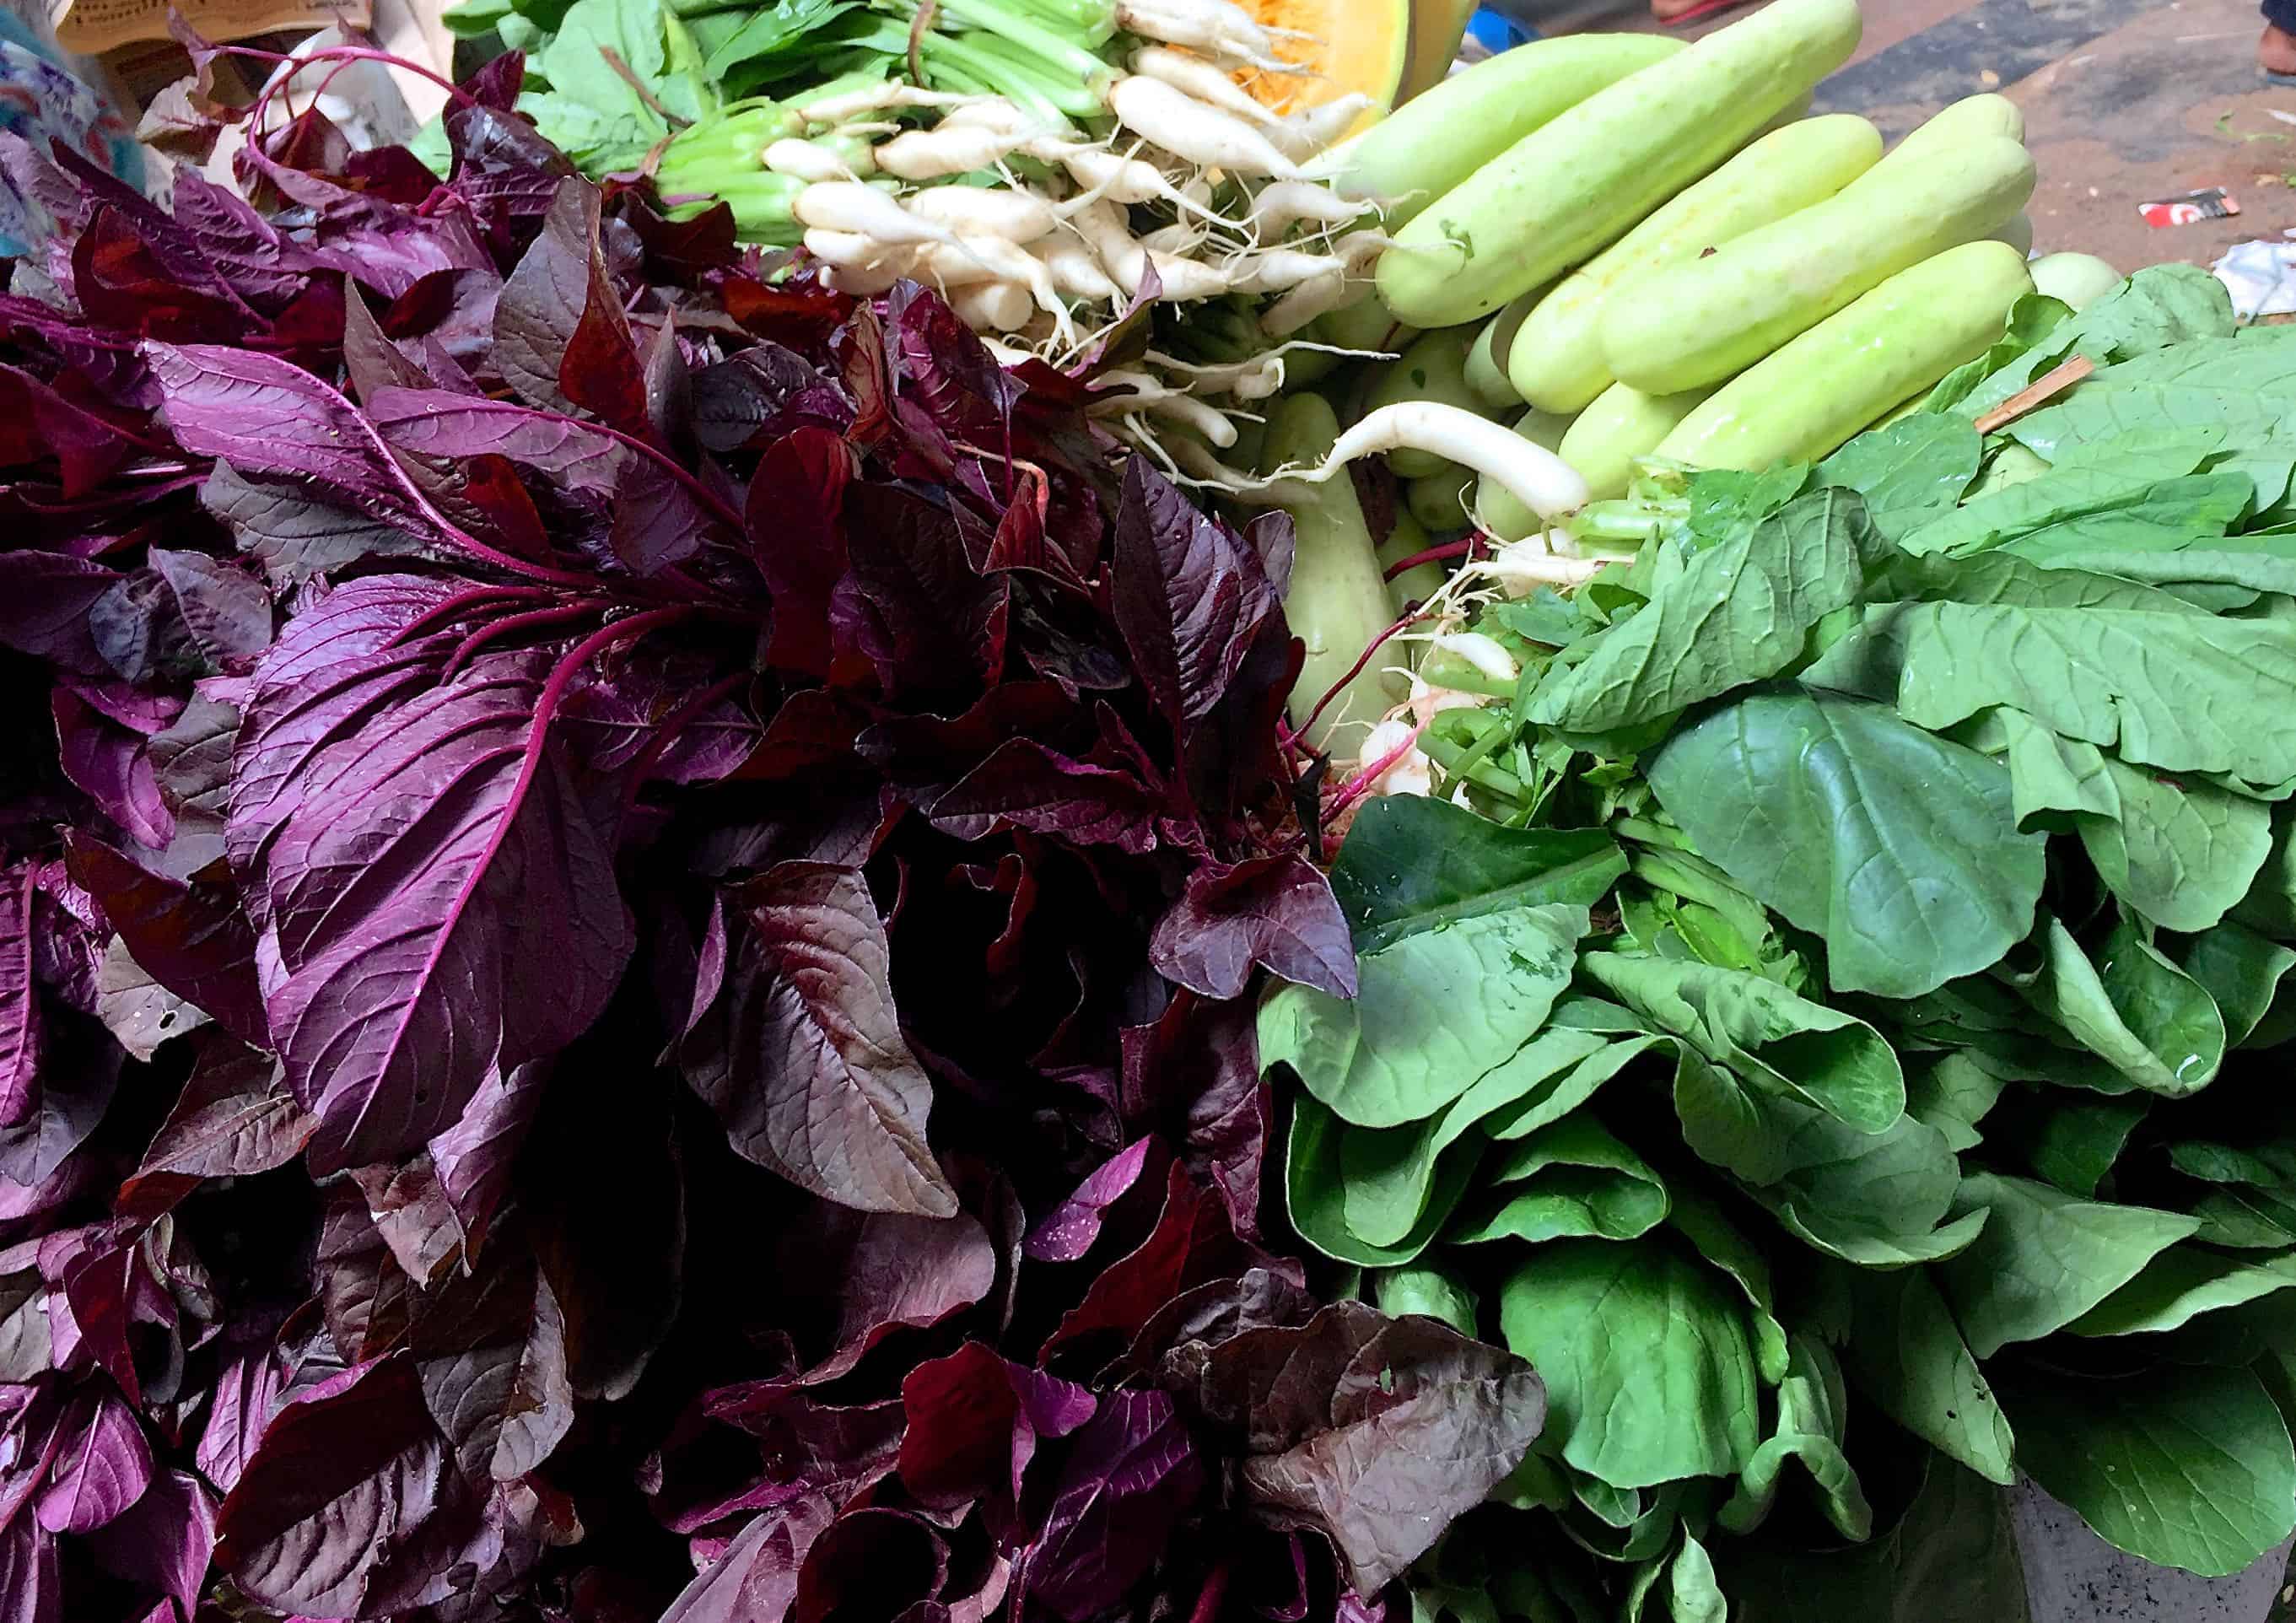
(2044, 1257)
(1433, 1013)
(1812, 1414)
(2154, 1027)
(1905, 1350)
(2188, 1468)
(1894, 844)
(1569, 1180)
(1736, 612)
(1412, 863)
(1649, 1376)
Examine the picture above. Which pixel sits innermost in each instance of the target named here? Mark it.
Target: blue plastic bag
(42, 100)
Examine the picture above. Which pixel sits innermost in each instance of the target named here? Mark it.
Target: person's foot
(2276, 53)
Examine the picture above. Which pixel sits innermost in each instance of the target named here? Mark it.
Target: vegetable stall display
(1330, 933)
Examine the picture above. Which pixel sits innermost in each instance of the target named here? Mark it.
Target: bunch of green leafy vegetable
(698, 87)
(1844, 1048)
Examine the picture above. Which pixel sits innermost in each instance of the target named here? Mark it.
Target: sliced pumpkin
(1437, 28)
(1350, 46)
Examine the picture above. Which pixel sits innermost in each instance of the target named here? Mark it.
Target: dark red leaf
(560, 337)
(816, 1081)
(974, 1419)
(1131, 1474)
(1274, 912)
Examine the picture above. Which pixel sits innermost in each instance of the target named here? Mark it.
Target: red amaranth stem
(1444, 553)
(460, 605)
(1289, 738)
(514, 624)
(345, 54)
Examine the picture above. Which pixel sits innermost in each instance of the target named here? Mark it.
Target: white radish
(1276, 207)
(1520, 568)
(864, 210)
(1015, 217)
(1192, 130)
(1407, 772)
(1176, 239)
(1486, 654)
(1303, 303)
(1104, 228)
(1252, 380)
(1212, 425)
(892, 92)
(851, 250)
(1115, 178)
(1186, 281)
(948, 270)
(996, 307)
(1213, 27)
(1308, 132)
(1074, 270)
(865, 280)
(1008, 262)
(1539, 480)
(937, 153)
(992, 113)
(804, 161)
(1196, 76)
(1277, 270)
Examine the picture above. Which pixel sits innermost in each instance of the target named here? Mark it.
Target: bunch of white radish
(1043, 232)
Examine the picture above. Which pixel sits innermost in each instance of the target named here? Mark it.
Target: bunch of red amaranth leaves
(630, 901)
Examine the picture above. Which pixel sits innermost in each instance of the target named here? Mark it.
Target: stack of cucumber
(1644, 248)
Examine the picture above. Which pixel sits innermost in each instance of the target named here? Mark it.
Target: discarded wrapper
(2208, 204)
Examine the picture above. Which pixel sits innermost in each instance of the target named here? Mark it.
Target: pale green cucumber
(1433, 368)
(1699, 321)
(1500, 511)
(1970, 118)
(1836, 378)
(1487, 356)
(1621, 424)
(1556, 363)
(1364, 324)
(1564, 191)
(1337, 602)
(1421, 581)
(1439, 502)
(1436, 140)
(2076, 279)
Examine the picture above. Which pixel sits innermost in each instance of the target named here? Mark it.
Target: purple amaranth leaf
(110, 763)
(660, 518)
(20, 999)
(292, 537)
(476, 1157)
(560, 337)
(797, 537)
(817, 1082)
(105, 1466)
(755, 399)
(162, 1543)
(915, 605)
(1131, 1475)
(37, 421)
(1276, 911)
(974, 1420)
(246, 1392)
(857, 1276)
(1069, 1230)
(871, 1561)
(1373, 1431)
(1189, 595)
(235, 1119)
(189, 936)
(336, 1512)
(270, 419)
(184, 614)
(755, 1580)
(490, 1353)
(442, 905)
(1028, 786)
(190, 763)
(31, 1586)
(44, 599)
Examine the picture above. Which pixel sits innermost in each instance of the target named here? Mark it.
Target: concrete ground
(2126, 101)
